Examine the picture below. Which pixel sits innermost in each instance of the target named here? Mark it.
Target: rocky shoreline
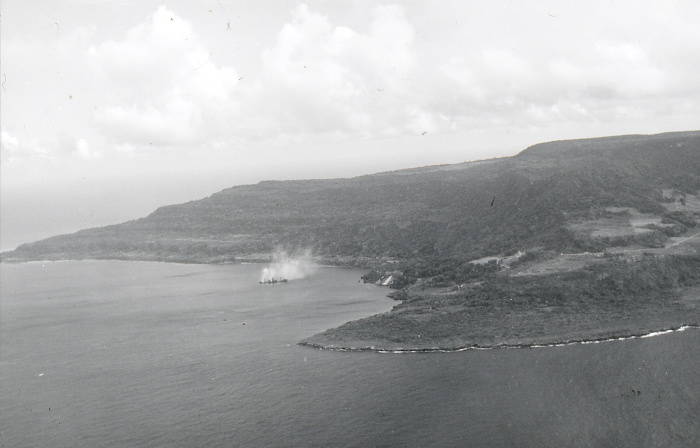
(563, 343)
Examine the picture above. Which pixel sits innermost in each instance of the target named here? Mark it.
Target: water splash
(285, 266)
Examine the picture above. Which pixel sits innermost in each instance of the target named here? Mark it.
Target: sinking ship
(272, 281)
(271, 276)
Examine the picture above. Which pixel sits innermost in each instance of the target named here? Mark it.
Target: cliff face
(465, 211)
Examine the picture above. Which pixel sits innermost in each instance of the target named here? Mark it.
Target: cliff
(465, 211)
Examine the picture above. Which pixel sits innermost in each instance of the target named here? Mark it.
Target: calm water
(126, 354)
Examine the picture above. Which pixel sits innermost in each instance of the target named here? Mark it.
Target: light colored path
(684, 240)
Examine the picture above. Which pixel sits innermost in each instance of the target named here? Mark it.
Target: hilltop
(462, 211)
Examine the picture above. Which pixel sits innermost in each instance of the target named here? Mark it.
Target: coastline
(322, 263)
(339, 262)
(563, 343)
(614, 301)
(529, 326)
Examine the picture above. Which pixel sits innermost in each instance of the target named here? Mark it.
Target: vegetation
(684, 218)
(456, 213)
(616, 298)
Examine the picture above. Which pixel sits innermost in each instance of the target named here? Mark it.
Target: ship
(272, 281)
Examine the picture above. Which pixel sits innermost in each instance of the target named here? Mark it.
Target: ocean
(142, 354)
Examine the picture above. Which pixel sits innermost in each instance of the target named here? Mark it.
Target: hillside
(551, 195)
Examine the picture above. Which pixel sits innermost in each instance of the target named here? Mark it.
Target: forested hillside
(462, 211)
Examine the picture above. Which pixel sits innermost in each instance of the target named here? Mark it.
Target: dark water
(122, 354)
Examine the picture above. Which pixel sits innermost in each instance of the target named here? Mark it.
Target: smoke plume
(286, 266)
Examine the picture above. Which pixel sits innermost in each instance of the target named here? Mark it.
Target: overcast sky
(111, 108)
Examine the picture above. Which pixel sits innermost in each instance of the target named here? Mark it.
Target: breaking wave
(505, 346)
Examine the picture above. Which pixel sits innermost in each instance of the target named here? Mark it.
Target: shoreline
(351, 343)
(148, 260)
(616, 338)
(321, 262)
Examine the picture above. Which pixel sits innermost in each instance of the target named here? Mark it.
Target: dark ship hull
(273, 281)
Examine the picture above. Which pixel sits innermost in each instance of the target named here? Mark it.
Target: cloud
(158, 85)
(166, 88)
(13, 149)
(168, 121)
(83, 150)
(324, 78)
(320, 77)
(316, 79)
(10, 143)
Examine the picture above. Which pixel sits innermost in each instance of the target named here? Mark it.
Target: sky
(109, 109)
